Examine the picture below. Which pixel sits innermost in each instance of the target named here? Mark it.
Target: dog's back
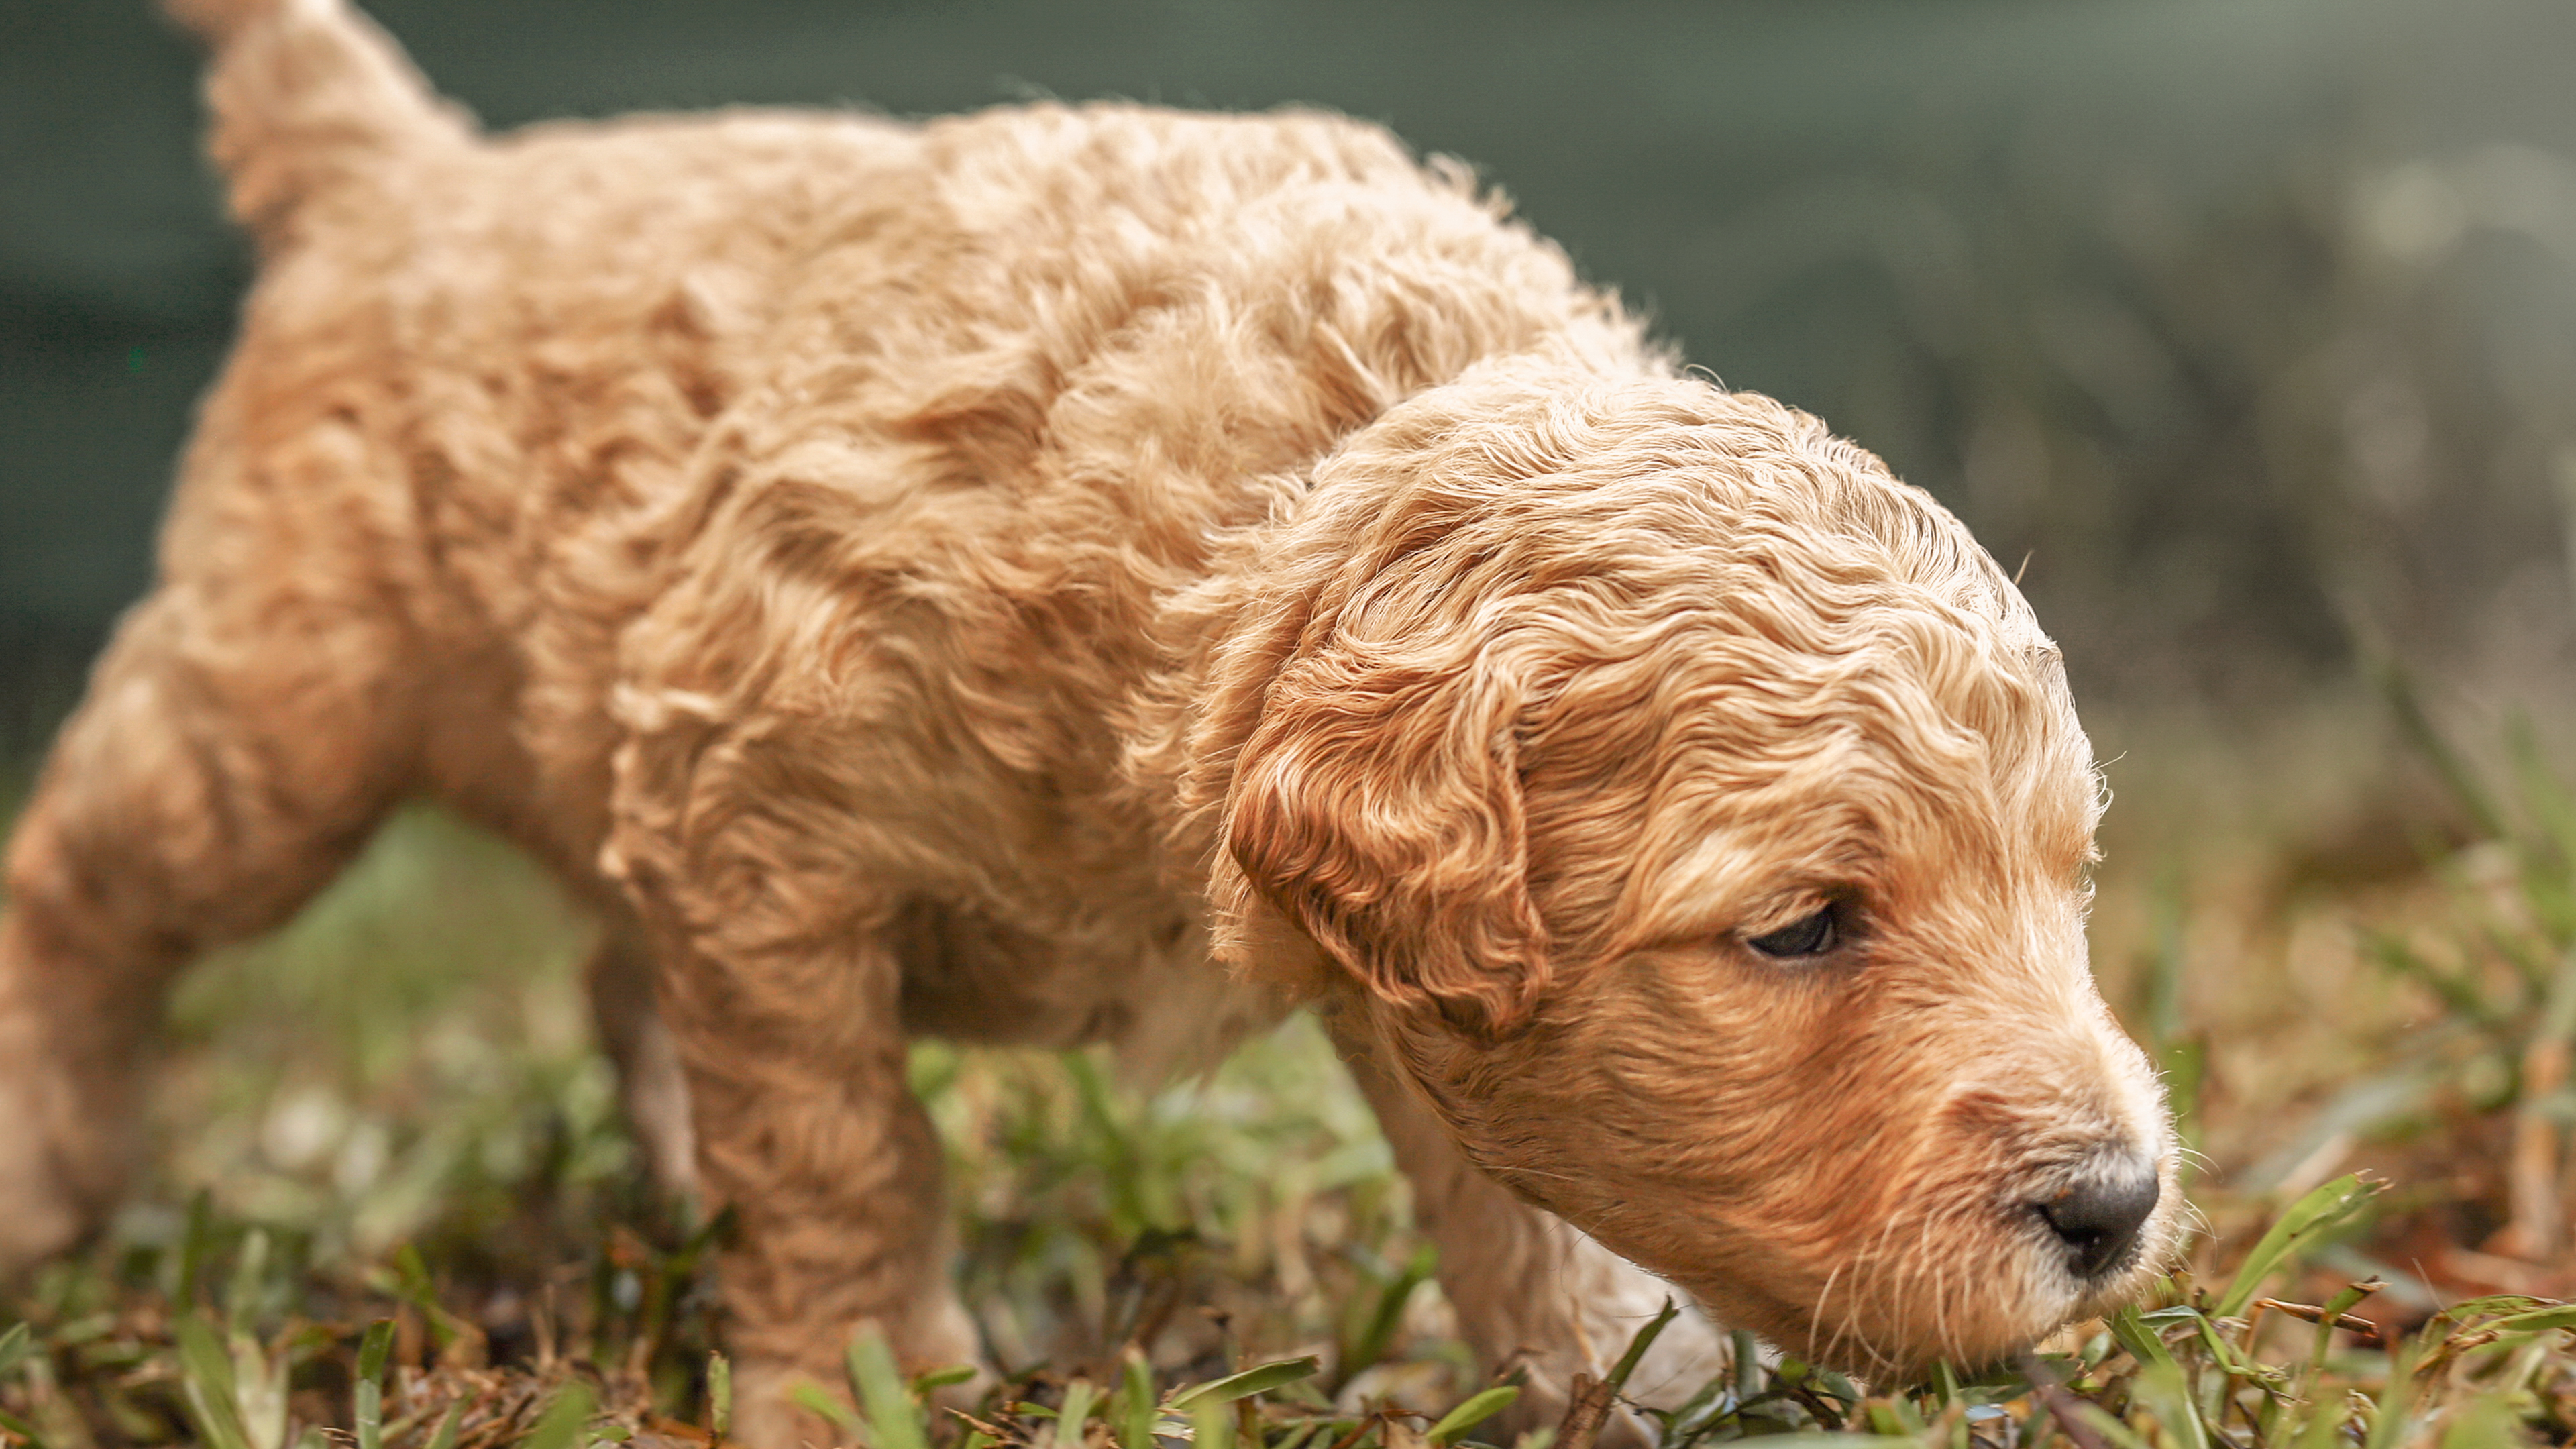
(1011, 363)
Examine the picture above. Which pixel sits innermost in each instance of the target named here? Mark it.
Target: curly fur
(986, 578)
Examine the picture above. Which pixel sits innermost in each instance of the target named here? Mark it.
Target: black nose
(2098, 1218)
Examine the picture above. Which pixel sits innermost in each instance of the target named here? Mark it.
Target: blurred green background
(2250, 324)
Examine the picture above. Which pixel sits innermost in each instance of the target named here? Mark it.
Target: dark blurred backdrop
(2249, 324)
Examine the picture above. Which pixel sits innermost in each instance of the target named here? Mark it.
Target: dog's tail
(308, 98)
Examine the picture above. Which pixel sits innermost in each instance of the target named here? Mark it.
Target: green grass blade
(12, 1424)
(1374, 1339)
(2462, 996)
(2222, 1352)
(2488, 1422)
(2311, 1216)
(1896, 1418)
(2322, 1343)
(1696, 1414)
(1080, 1398)
(250, 1266)
(374, 1349)
(421, 1290)
(932, 1381)
(2110, 1426)
(719, 1396)
(195, 1247)
(2420, 731)
(1638, 1342)
(893, 1419)
(814, 1399)
(2537, 786)
(1468, 1415)
(561, 1425)
(448, 1427)
(1256, 1380)
(2324, 1426)
(1135, 1410)
(206, 1375)
(2160, 1386)
(2140, 1339)
(1212, 1424)
(2395, 1417)
(2537, 1320)
(1868, 1441)
(367, 1420)
(15, 1347)
(260, 1390)
(2558, 1004)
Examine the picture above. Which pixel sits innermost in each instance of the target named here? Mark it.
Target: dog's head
(1701, 820)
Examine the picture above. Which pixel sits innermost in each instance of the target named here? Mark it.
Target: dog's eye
(1807, 936)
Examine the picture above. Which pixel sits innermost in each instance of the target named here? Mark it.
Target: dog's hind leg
(238, 741)
(1528, 1289)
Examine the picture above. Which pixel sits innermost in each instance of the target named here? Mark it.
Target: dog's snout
(2098, 1217)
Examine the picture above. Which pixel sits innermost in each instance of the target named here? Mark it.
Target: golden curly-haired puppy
(1105, 574)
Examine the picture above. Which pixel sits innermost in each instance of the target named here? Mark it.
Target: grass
(394, 1208)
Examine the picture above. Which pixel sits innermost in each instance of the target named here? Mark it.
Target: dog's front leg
(1529, 1289)
(805, 1128)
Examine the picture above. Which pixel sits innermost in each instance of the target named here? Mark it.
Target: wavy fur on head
(988, 578)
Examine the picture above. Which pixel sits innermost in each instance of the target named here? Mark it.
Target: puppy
(1100, 573)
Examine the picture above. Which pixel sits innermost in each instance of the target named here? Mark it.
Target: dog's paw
(46, 1207)
(770, 1394)
(66, 1122)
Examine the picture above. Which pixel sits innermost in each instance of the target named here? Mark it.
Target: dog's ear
(1377, 805)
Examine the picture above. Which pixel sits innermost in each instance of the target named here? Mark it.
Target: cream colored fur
(1097, 573)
